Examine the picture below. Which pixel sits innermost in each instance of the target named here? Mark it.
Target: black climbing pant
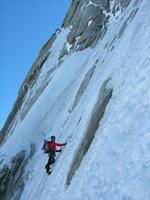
(51, 160)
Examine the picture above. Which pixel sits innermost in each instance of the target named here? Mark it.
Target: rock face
(87, 22)
(12, 178)
(88, 19)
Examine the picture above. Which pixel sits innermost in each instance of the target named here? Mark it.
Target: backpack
(46, 146)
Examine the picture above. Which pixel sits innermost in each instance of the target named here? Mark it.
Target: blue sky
(25, 25)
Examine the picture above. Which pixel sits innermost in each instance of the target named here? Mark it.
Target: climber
(50, 148)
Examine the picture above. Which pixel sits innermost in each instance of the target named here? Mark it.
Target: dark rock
(83, 34)
(11, 179)
(49, 43)
(32, 149)
(4, 178)
(70, 13)
(63, 52)
(127, 21)
(104, 96)
(84, 84)
(105, 4)
(120, 4)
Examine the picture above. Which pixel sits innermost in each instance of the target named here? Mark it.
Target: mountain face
(89, 87)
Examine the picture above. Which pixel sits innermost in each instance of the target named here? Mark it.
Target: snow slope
(116, 165)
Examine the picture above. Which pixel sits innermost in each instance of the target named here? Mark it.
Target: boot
(47, 167)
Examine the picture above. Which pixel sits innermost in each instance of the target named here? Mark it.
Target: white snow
(117, 164)
(94, 4)
(68, 46)
(90, 22)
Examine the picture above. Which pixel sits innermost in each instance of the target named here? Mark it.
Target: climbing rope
(39, 188)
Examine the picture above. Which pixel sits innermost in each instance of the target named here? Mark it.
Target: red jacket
(52, 146)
